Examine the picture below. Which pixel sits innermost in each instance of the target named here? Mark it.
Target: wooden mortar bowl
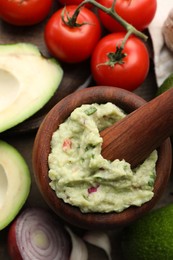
(126, 100)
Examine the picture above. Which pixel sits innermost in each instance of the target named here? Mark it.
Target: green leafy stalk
(111, 11)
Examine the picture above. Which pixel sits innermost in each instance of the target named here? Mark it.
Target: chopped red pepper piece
(67, 144)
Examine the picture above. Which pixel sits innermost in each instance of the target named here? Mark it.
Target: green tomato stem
(113, 5)
(111, 11)
(129, 32)
(71, 21)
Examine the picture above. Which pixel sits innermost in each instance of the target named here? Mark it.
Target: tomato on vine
(23, 13)
(112, 65)
(72, 40)
(73, 2)
(70, 2)
(137, 13)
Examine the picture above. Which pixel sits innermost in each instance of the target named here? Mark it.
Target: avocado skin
(166, 85)
(36, 79)
(151, 237)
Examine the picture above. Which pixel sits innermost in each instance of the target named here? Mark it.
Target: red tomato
(72, 44)
(73, 2)
(70, 2)
(138, 13)
(26, 12)
(128, 75)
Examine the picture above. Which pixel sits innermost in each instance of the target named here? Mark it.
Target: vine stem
(129, 32)
(111, 11)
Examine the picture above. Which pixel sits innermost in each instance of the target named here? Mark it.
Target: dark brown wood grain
(142, 131)
(127, 101)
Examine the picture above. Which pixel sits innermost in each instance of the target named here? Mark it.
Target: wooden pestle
(140, 132)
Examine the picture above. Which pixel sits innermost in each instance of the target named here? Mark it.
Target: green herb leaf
(90, 110)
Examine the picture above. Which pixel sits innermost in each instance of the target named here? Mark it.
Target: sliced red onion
(38, 235)
(79, 248)
(93, 189)
(99, 239)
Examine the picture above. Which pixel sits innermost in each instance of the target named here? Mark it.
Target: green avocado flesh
(27, 82)
(15, 182)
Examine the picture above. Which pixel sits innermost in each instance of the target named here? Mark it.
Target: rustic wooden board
(74, 78)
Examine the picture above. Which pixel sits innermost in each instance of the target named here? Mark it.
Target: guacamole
(82, 177)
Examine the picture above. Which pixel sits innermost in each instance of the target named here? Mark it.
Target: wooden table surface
(22, 136)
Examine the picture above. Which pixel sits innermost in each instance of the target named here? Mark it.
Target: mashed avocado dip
(82, 177)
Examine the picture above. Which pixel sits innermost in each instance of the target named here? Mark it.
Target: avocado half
(15, 183)
(27, 81)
